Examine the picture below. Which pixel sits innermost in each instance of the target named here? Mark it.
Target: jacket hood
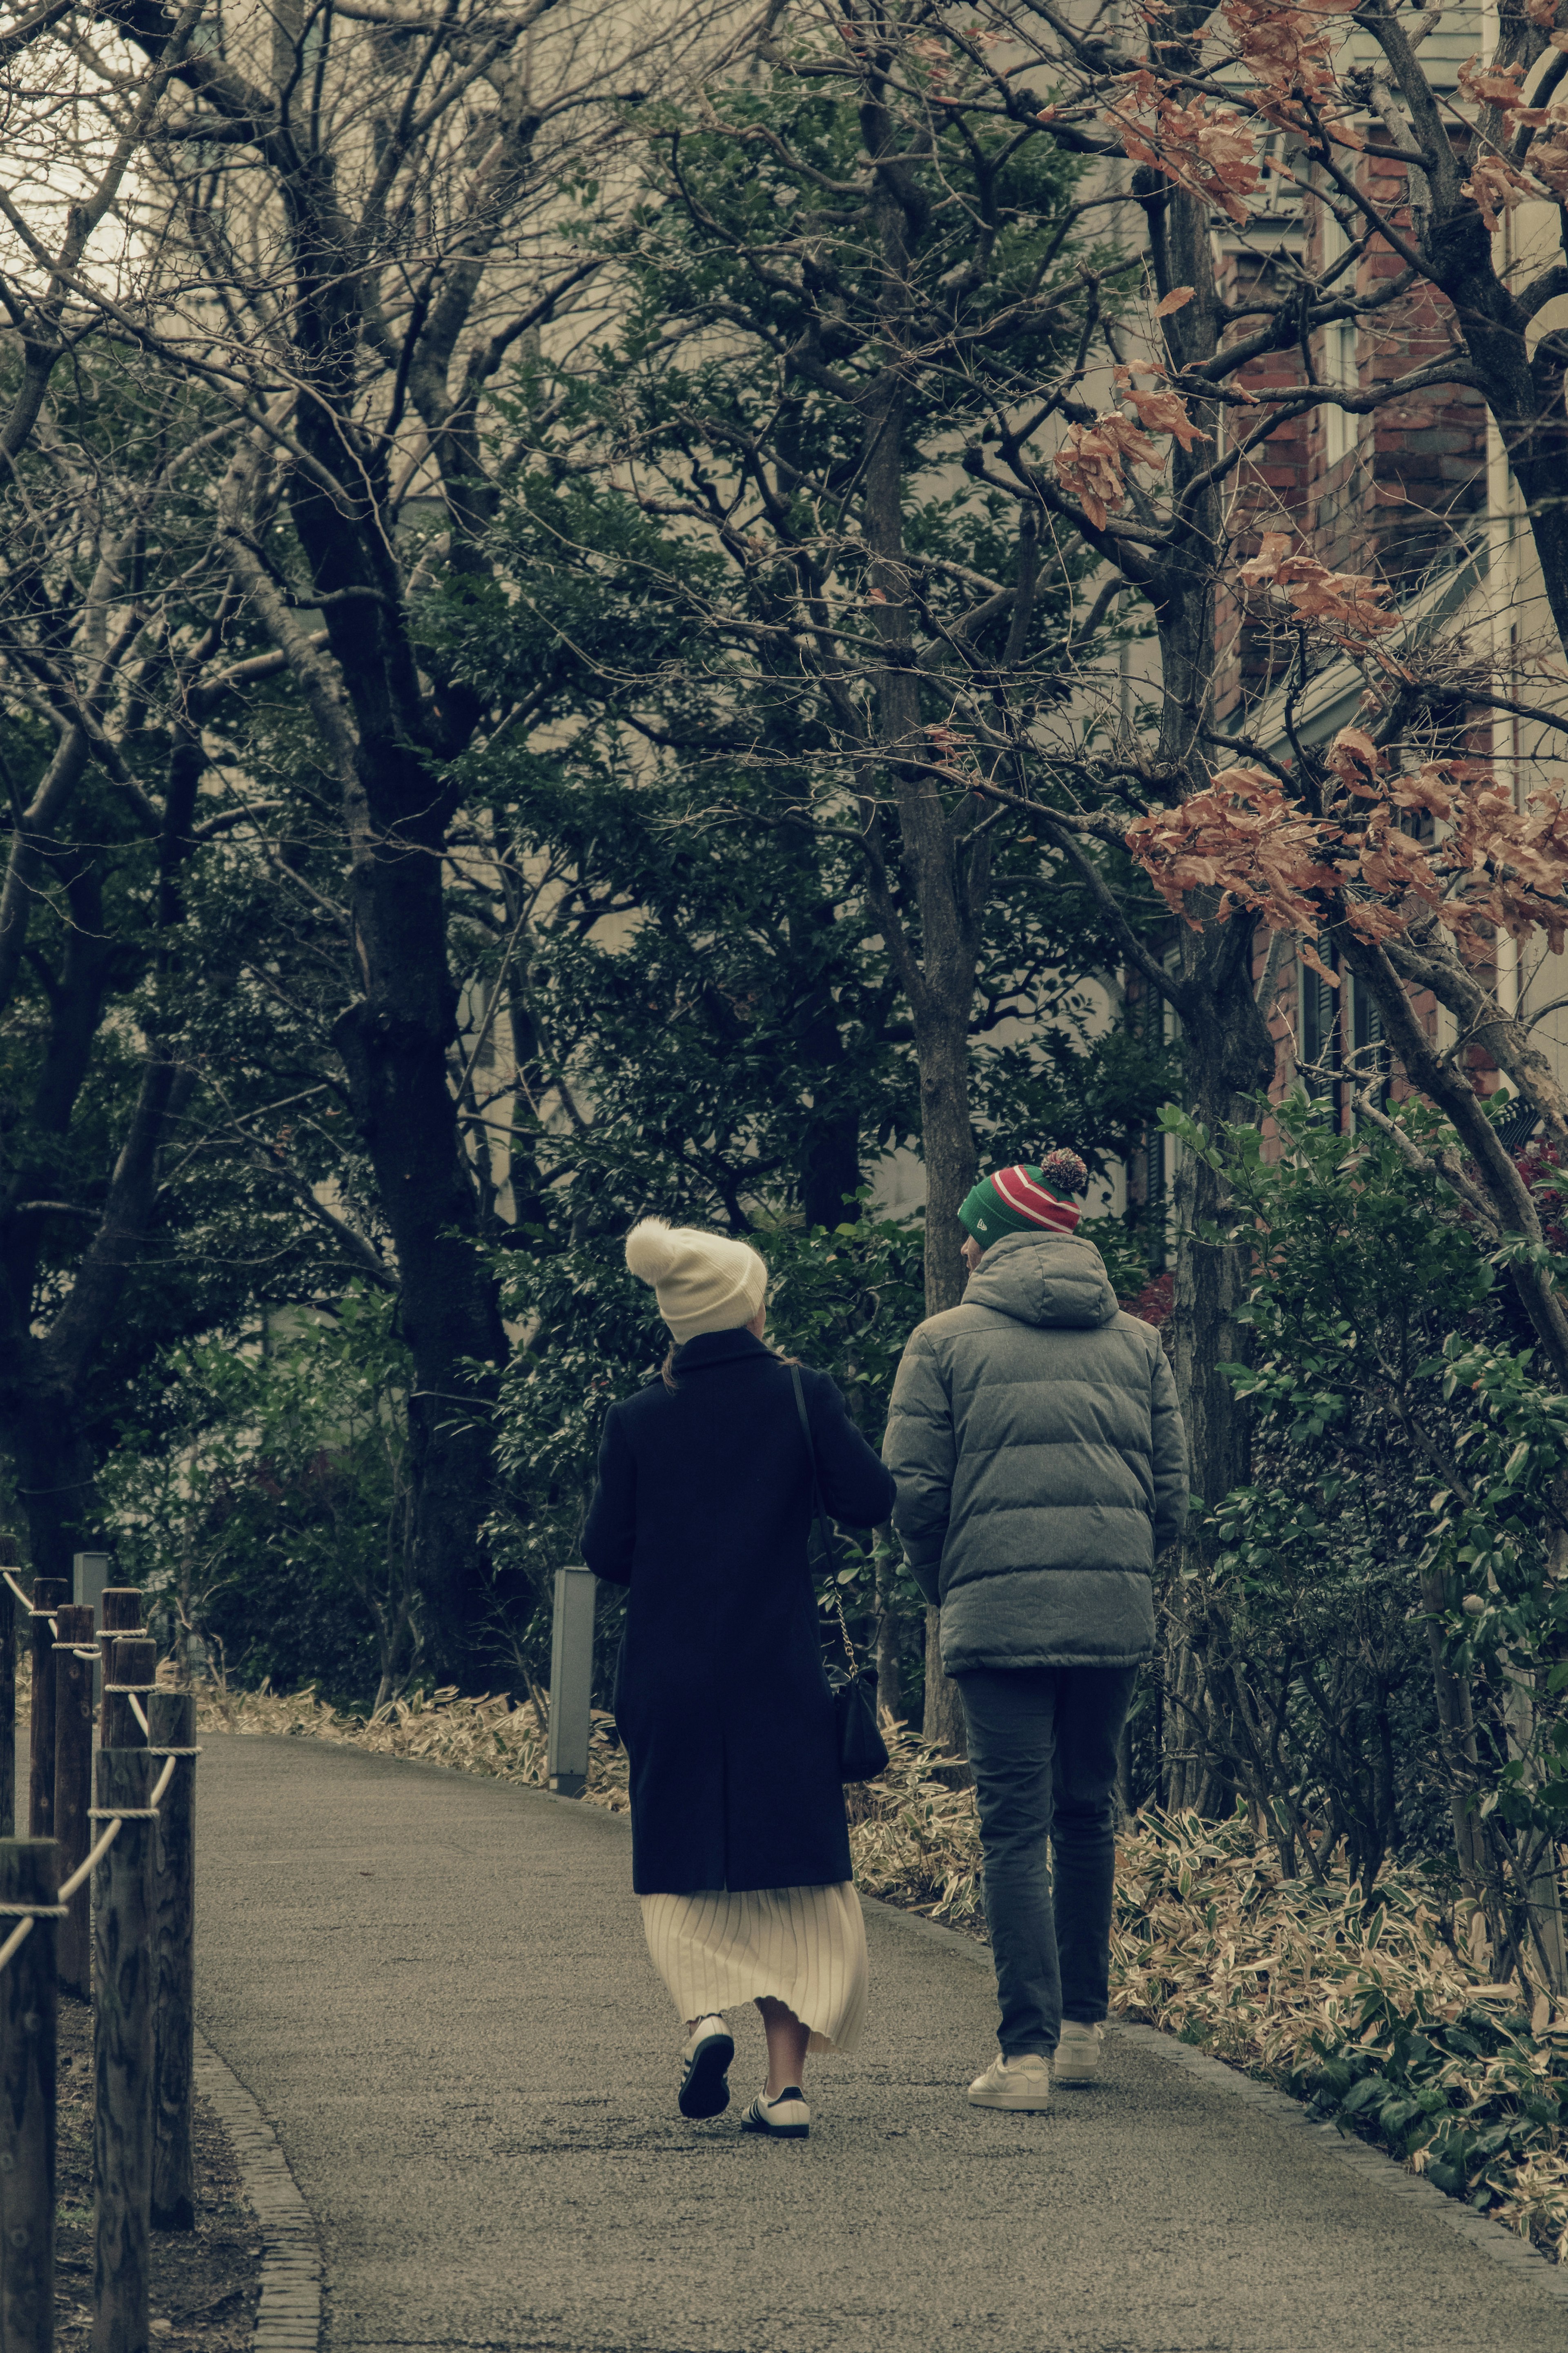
(1044, 1279)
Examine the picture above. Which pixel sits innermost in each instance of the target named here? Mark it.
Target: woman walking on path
(740, 1848)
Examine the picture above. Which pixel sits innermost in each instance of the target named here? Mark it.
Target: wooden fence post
(122, 1616)
(122, 2057)
(89, 1575)
(27, 1877)
(127, 1679)
(73, 1785)
(171, 1727)
(48, 1592)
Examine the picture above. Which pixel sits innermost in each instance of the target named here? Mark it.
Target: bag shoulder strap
(825, 1533)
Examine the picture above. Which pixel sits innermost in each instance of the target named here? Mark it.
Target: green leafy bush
(259, 1500)
(1381, 1628)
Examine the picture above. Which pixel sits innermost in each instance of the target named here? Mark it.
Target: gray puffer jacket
(1041, 1461)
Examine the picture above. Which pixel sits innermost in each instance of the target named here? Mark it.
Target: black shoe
(704, 2092)
(785, 2118)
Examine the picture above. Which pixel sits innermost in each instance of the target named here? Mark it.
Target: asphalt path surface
(437, 1988)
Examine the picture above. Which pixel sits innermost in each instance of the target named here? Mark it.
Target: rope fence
(26, 1602)
(96, 1899)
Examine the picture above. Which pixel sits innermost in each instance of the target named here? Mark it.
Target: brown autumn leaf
(1165, 412)
(1496, 187)
(1499, 868)
(1212, 151)
(1487, 86)
(1289, 51)
(1352, 755)
(1265, 562)
(1177, 299)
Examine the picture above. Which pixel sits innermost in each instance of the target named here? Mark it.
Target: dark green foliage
(1479, 2092)
(260, 1500)
(692, 822)
(1382, 1626)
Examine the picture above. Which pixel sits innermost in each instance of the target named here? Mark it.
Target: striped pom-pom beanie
(1024, 1199)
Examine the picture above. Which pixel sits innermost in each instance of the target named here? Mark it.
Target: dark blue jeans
(1043, 1749)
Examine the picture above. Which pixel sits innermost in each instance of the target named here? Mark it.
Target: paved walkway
(437, 1988)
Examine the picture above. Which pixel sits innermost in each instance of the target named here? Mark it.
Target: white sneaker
(1079, 2052)
(1023, 2083)
(704, 2090)
(785, 2118)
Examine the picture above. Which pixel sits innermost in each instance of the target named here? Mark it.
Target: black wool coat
(702, 1511)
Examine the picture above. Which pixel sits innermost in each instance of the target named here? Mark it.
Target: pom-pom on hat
(703, 1283)
(1024, 1199)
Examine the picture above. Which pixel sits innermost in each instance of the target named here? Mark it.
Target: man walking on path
(1041, 1464)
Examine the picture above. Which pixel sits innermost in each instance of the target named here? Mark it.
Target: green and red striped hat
(1024, 1199)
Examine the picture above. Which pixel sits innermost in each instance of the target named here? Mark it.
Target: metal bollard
(73, 1786)
(7, 1714)
(11, 1628)
(123, 1960)
(27, 1882)
(172, 1727)
(570, 1682)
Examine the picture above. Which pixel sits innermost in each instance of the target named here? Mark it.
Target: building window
(1318, 1027)
(1340, 363)
(1341, 366)
(1370, 1047)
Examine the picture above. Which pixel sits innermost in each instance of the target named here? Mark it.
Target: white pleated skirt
(804, 1946)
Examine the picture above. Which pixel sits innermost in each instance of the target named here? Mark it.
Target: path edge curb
(288, 2315)
(1494, 2239)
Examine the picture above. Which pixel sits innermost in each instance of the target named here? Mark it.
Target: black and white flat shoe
(785, 2118)
(704, 2090)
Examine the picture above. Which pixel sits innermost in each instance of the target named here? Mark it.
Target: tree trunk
(830, 1172)
(1539, 1892)
(394, 1040)
(948, 1148)
(393, 1044)
(1229, 1057)
(1456, 1741)
(830, 1123)
(56, 1469)
(938, 977)
(889, 1682)
(1228, 1052)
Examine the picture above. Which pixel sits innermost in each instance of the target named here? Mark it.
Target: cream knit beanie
(703, 1283)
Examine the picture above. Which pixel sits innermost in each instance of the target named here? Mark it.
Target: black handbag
(862, 1751)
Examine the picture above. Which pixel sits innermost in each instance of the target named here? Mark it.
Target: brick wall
(1389, 494)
